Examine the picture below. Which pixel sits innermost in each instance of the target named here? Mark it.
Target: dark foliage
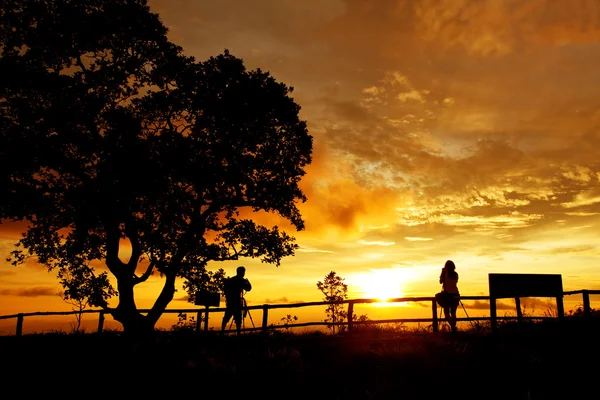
(110, 134)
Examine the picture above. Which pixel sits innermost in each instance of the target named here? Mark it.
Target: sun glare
(383, 284)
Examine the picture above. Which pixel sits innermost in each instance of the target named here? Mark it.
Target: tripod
(245, 311)
(464, 309)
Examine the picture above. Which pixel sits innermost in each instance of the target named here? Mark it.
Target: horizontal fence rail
(203, 314)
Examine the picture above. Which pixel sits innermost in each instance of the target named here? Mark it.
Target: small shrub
(184, 323)
(579, 312)
(288, 320)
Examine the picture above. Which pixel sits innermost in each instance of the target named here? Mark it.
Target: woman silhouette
(449, 281)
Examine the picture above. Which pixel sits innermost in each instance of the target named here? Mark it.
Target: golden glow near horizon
(382, 284)
(464, 130)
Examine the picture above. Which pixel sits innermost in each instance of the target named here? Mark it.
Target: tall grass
(541, 360)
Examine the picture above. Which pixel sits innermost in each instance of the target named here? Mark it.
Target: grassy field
(533, 361)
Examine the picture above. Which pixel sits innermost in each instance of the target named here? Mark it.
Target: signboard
(525, 285)
(204, 298)
(504, 286)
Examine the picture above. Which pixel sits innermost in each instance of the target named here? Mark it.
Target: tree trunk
(163, 300)
(134, 323)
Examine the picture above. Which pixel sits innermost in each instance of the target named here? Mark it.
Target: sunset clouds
(29, 292)
(470, 124)
(443, 129)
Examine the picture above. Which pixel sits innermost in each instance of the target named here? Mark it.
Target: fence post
(265, 320)
(206, 318)
(587, 310)
(19, 324)
(100, 321)
(198, 320)
(519, 311)
(493, 319)
(560, 307)
(434, 322)
(350, 313)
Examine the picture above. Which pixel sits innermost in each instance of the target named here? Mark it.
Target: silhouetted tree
(202, 280)
(83, 289)
(334, 289)
(111, 136)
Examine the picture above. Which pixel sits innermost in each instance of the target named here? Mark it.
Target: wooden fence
(203, 314)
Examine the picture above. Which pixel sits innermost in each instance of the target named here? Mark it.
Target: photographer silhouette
(234, 288)
(449, 298)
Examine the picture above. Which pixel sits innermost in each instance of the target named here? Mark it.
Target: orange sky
(463, 130)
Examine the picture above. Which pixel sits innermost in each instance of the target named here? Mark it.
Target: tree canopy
(110, 135)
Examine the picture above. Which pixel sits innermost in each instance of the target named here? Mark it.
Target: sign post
(206, 299)
(515, 286)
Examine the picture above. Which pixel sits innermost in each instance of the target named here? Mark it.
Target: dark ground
(536, 361)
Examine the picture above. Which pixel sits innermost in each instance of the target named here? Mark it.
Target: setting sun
(383, 284)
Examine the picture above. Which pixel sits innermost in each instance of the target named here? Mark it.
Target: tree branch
(231, 257)
(79, 63)
(113, 237)
(169, 122)
(145, 275)
(136, 248)
(186, 128)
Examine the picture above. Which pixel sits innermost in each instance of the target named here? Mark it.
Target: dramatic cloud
(30, 292)
(282, 300)
(465, 130)
(485, 305)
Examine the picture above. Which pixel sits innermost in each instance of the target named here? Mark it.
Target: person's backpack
(441, 299)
